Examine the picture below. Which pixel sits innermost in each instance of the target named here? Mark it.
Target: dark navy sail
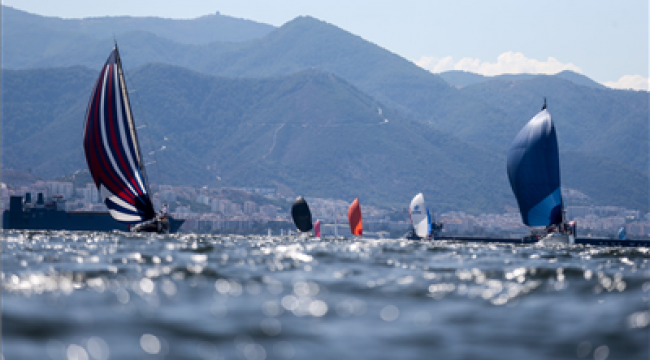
(534, 172)
(111, 147)
(301, 214)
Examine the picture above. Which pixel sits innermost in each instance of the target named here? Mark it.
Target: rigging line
(146, 124)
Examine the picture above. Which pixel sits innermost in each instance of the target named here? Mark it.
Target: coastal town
(266, 210)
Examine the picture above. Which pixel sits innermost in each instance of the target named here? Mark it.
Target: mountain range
(312, 132)
(461, 78)
(596, 116)
(22, 26)
(320, 110)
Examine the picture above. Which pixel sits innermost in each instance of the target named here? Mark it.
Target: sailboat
(534, 174)
(420, 218)
(317, 228)
(113, 153)
(354, 218)
(301, 215)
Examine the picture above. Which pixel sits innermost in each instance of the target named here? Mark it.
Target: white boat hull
(156, 225)
(558, 238)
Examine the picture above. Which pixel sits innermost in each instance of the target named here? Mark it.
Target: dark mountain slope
(606, 181)
(611, 123)
(41, 118)
(311, 131)
(607, 122)
(306, 42)
(317, 134)
(300, 44)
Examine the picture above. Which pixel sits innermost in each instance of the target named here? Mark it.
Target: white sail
(420, 216)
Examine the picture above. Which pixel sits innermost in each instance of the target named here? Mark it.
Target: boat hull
(558, 238)
(159, 226)
(49, 219)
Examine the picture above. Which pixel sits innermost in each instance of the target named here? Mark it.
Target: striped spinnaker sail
(111, 147)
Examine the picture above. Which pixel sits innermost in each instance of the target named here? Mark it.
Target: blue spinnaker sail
(111, 147)
(534, 172)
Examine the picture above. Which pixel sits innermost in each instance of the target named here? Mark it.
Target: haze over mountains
(312, 107)
(203, 30)
(461, 78)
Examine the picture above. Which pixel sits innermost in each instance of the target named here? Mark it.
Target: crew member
(163, 212)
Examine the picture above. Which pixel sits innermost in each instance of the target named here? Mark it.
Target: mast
(129, 117)
(336, 226)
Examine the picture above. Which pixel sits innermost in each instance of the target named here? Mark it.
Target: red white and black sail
(112, 150)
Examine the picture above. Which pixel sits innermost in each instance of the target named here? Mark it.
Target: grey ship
(51, 215)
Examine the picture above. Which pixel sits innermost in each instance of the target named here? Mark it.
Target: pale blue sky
(604, 40)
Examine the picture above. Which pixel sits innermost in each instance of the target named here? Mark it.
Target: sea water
(87, 295)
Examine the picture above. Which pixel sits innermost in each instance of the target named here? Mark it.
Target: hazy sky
(603, 39)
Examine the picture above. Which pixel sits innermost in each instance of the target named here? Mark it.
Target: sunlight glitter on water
(119, 295)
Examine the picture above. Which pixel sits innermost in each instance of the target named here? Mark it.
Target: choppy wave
(86, 295)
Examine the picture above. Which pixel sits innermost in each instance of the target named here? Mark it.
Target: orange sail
(354, 217)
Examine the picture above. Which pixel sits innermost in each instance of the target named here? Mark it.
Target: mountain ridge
(306, 42)
(484, 117)
(460, 78)
(200, 30)
(311, 131)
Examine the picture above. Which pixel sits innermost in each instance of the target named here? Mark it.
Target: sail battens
(111, 150)
(534, 172)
